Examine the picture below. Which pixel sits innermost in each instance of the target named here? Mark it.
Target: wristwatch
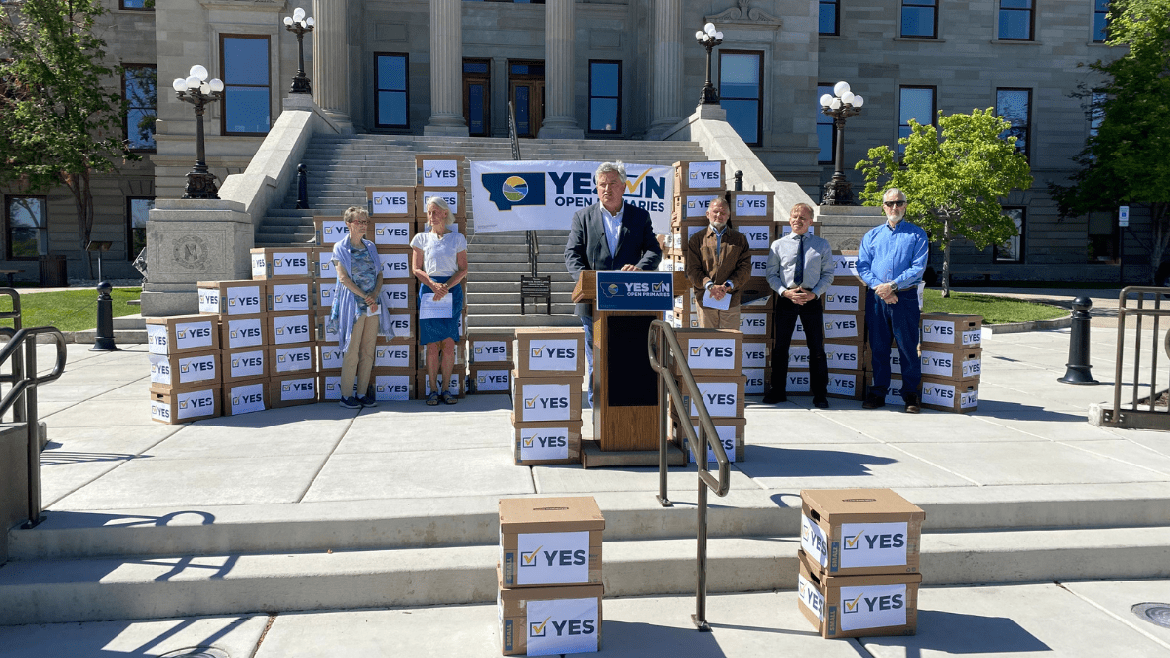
(893, 286)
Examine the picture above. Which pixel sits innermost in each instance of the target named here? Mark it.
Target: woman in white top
(440, 264)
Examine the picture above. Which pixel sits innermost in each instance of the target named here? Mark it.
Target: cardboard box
(538, 399)
(395, 265)
(756, 353)
(893, 393)
(547, 443)
(388, 232)
(328, 231)
(855, 532)
(949, 395)
(395, 353)
(949, 331)
(440, 170)
(291, 327)
(554, 351)
(459, 362)
(390, 201)
(756, 323)
(244, 331)
(330, 357)
(244, 297)
(845, 263)
(760, 293)
(839, 328)
(246, 363)
(848, 297)
(184, 371)
(760, 233)
(550, 541)
(394, 384)
(182, 333)
(955, 366)
(711, 351)
(291, 390)
(402, 323)
(455, 198)
(730, 431)
(847, 384)
(756, 380)
(856, 606)
(759, 259)
(178, 407)
(321, 331)
(323, 270)
(291, 359)
(489, 347)
(549, 621)
(325, 293)
(282, 262)
(490, 378)
(456, 385)
(723, 395)
(699, 175)
(399, 295)
(245, 397)
(292, 295)
(329, 385)
(752, 204)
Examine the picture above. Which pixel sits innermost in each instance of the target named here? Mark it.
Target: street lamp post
(708, 38)
(299, 25)
(840, 105)
(199, 91)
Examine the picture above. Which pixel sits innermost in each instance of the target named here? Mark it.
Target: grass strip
(68, 310)
(995, 310)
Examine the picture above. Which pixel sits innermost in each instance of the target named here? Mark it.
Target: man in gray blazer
(609, 235)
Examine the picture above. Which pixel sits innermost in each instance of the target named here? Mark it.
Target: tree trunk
(946, 269)
(1160, 232)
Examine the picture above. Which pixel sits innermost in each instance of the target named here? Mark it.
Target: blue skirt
(436, 330)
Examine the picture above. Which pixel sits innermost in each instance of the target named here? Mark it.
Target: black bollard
(738, 181)
(302, 186)
(1078, 345)
(103, 340)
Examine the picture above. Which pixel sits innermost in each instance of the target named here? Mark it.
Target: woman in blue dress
(440, 265)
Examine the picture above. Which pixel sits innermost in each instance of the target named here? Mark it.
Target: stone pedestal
(192, 240)
(844, 226)
(446, 70)
(13, 480)
(666, 74)
(331, 61)
(560, 120)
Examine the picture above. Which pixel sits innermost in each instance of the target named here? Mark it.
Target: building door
(526, 91)
(477, 96)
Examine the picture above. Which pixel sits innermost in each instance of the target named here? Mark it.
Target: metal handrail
(14, 314)
(530, 236)
(663, 354)
(1134, 417)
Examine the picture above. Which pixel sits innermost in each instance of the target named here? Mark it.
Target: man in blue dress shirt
(890, 261)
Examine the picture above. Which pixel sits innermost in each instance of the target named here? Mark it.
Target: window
(914, 103)
(134, 4)
(391, 100)
(1012, 251)
(830, 17)
(26, 225)
(1015, 105)
(1015, 19)
(477, 96)
(518, 2)
(1100, 20)
(1104, 237)
(1096, 112)
(605, 96)
(826, 131)
(741, 89)
(140, 89)
(137, 211)
(247, 96)
(919, 19)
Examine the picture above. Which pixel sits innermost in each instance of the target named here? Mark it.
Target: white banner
(542, 195)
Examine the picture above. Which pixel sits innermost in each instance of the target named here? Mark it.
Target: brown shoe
(873, 402)
(912, 405)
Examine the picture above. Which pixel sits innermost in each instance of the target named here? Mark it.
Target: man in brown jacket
(718, 266)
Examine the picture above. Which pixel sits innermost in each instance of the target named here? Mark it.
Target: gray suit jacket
(587, 248)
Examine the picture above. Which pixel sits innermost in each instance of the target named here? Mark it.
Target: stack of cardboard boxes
(858, 557)
(240, 309)
(951, 352)
(489, 354)
(715, 359)
(546, 395)
(185, 380)
(290, 301)
(549, 575)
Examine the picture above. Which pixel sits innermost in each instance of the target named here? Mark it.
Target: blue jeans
(894, 322)
(587, 323)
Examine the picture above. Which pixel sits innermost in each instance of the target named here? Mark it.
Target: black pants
(784, 323)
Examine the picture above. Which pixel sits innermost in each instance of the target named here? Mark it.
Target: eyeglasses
(894, 204)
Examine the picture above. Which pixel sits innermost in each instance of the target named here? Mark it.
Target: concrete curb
(1031, 325)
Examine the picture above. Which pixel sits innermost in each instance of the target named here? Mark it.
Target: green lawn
(68, 310)
(995, 310)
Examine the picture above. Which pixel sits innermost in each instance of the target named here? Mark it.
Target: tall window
(741, 86)
(391, 99)
(1104, 237)
(1016, 19)
(247, 94)
(826, 132)
(137, 212)
(1100, 20)
(920, 19)
(26, 226)
(134, 4)
(830, 22)
(1096, 112)
(1015, 105)
(477, 96)
(140, 89)
(605, 96)
(914, 103)
(1012, 251)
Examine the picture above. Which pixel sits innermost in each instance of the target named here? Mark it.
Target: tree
(61, 122)
(952, 177)
(1124, 161)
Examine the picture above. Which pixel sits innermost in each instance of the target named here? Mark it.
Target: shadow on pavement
(954, 633)
(642, 639)
(775, 461)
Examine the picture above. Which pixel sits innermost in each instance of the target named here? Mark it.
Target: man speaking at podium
(609, 235)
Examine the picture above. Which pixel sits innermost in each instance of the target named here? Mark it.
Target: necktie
(798, 277)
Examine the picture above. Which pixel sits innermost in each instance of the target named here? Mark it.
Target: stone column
(560, 120)
(666, 74)
(331, 81)
(446, 69)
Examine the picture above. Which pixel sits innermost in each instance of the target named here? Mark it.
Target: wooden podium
(625, 387)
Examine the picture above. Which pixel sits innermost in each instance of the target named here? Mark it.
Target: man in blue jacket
(890, 261)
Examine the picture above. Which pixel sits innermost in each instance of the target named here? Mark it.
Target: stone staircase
(341, 167)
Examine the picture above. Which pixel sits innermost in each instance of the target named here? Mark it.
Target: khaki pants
(359, 358)
(710, 318)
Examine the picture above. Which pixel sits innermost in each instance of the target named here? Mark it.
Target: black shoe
(820, 403)
(912, 405)
(873, 402)
(772, 397)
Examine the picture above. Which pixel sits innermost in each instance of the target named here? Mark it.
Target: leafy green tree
(952, 177)
(1125, 161)
(60, 111)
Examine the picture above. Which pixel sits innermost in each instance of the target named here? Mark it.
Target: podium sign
(635, 291)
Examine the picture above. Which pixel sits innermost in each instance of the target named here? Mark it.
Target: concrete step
(121, 336)
(135, 321)
(534, 318)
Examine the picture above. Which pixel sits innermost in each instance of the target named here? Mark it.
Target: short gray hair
(440, 202)
(606, 167)
(894, 190)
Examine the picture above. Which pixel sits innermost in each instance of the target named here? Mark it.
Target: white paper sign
(721, 398)
(754, 383)
(871, 606)
(298, 389)
(333, 230)
(293, 263)
(392, 356)
(396, 295)
(196, 403)
(758, 237)
(543, 443)
(246, 364)
(759, 266)
(844, 298)
(392, 387)
(492, 380)
(193, 335)
(711, 354)
(401, 324)
(325, 290)
(293, 359)
(290, 296)
(726, 434)
(246, 399)
(452, 197)
(845, 265)
(873, 544)
(545, 402)
(489, 351)
(429, 309)
(390, 203)
(560, 626)
(705, 175)
(798, 382)
(245, 332)
(842, 356)
(810, 596)
(753, 324)
(557, 355)
(551, 558)
(325, 269)
(332, 357)
(444, 172)
(841, 384)
(394, 233)
(813, 541)
(751, 205)
(332, 390)
(291, 329)
(695, 205)
(395, 266)
(755, 355)
(192, 369)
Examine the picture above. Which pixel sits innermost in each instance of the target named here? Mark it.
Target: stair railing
(535, 287)
(665, 352)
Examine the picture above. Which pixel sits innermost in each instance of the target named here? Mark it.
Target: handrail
(14, 314)
(1133, 417)
(530, 236)
(663, 354)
